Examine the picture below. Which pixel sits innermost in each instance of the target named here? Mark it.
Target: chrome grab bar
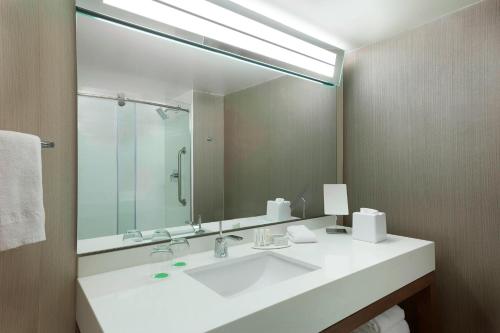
(179, 176)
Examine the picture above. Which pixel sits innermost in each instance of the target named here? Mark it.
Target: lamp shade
(335, 196)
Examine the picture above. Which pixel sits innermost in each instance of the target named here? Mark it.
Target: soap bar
(369, 227)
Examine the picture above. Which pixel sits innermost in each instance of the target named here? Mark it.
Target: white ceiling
(114, 59)
(351, 24)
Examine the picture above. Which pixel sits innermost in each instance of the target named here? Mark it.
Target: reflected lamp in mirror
(236, 31)
(335, 196)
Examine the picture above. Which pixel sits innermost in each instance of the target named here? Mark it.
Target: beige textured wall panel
(58, 123)
(208, 160)
(19, 102)
(37, 95)
(280, 138)
(422, 143)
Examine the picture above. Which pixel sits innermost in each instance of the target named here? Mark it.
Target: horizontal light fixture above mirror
(237, 32)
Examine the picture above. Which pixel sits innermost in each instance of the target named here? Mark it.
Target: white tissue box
(278, 210)
(369, 227)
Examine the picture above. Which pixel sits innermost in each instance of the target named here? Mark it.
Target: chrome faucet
(220, 250)
(196, 227)
(199, 230)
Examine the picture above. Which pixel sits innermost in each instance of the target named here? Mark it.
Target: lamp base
(336, 230)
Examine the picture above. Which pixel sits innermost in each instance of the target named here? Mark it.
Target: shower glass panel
(97, 168)
(178, 151)
(128, 167)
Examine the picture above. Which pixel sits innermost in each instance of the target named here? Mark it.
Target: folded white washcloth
(22, 217)
(389, 318)
(401, 327)
(301, 234)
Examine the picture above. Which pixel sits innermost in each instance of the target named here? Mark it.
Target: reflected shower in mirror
(173, 136)
(127, 155)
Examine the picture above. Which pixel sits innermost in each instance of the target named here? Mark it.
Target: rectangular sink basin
(238, 276)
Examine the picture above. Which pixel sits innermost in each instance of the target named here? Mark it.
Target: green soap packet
(180, 264)
(160, 275)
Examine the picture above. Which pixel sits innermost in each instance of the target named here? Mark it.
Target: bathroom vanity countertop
(353, 274)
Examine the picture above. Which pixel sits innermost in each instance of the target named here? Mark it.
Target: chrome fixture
(220, 250)
(199, 230)
(179, 176)
(162, 113)
(47, 144)
(196, 226)
(122, 100)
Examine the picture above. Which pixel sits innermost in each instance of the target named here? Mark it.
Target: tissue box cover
(278, 210)
(369, 227)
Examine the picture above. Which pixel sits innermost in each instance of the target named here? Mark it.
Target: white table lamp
(335, 196)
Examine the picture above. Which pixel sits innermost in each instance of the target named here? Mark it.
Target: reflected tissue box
(278, 210)
(369, 225)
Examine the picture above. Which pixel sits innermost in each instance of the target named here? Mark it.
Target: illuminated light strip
(246, 25)
(192, 23)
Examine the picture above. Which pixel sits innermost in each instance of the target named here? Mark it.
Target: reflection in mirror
(173, 136)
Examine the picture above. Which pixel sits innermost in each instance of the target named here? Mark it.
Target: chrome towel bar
(47, 144)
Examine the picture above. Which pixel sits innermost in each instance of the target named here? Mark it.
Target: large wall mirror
(170, 135)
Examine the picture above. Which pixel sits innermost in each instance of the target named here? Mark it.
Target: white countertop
(353, 275)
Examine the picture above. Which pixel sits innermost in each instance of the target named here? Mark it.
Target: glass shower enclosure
(134, 166)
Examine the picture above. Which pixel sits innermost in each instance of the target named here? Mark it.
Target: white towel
(401, 327)
(391, 321)
(22, 218)
(369, 327)
(389, 318)
(301, 234)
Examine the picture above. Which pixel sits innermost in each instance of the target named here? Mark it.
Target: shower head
(121, 99)
(162, 113)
